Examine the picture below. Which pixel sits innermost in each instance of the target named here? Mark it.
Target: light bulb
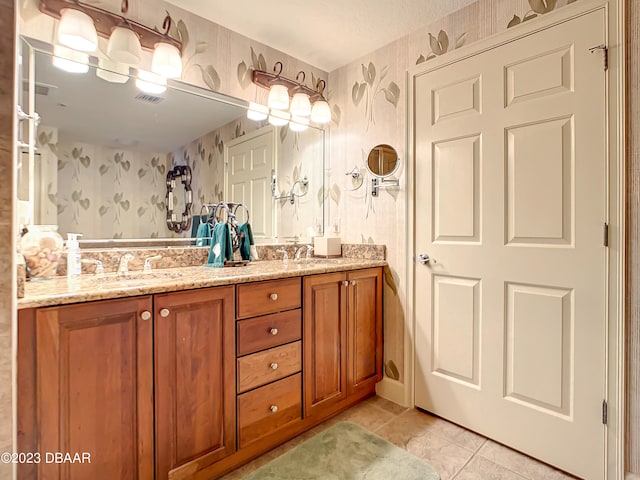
(150, 82)
(166, 60)
(279, 118)
(299, 124)
(321, 113)
(76, 30)
(278, 97)
(124, 45)
(257, 112)
(69, 60)
(300, 105)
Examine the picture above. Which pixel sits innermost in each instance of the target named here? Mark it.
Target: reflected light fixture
(299, 124)
(257, 112)
(111, 71)
(80, 23)
(150, 82)
(279, 118)
(305, 103)
(69, 60)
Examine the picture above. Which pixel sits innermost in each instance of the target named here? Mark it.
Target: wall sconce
(304, 103)
(81, 23)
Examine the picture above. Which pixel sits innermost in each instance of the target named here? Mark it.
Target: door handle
(424, 259)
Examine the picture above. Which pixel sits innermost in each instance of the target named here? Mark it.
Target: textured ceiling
(324, 33)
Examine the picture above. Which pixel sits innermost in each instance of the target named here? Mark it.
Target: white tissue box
(327, 247)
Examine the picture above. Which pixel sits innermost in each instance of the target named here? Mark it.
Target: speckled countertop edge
(62, 291)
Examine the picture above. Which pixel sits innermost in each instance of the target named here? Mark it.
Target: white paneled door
(510, 204)
(249, 170)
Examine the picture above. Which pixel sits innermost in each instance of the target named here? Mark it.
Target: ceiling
(324, 33)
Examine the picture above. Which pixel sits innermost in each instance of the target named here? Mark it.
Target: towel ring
(245, 208)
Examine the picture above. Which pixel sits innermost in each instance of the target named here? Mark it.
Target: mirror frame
(396, 166)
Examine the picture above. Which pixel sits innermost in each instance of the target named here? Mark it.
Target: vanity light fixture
(150, 82)
(299, 124)
(69, 60)
(279, 118)
(257, 112)
(305, 102)
(80, 23)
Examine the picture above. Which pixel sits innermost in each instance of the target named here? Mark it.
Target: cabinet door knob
(274, 366)
(345, 283)
(353, 282)
(273, 296)
(273, 331)
(146, 315)
(273, 408)
(164, 312)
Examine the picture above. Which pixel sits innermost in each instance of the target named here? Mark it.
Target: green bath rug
(345, 451)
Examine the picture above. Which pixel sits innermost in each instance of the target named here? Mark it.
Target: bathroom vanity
(190, 372)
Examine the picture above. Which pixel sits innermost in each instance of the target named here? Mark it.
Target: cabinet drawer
(268, 331)
(267, 366)
(260, 298)
(266, 409)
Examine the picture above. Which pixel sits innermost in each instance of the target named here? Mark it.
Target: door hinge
(605, 53)
(605, 234)
(604, 412)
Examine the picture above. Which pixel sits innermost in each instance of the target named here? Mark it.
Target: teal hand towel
(221, 248)
(203, 235)
(246, 241)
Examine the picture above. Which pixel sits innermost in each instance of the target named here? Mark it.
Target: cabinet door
(195, 379)
(94, 366)
(365, 330)
(325, 340)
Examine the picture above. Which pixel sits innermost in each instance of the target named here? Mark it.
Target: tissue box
(327, 247)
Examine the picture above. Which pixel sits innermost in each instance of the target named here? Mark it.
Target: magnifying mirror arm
(377, 183)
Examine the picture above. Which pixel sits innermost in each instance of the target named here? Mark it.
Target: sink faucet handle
(147, 263)
(123, 267)
(309, 250)
(285, 255)
(99, 271)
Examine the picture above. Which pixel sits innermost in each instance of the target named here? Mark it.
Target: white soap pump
(74, 264)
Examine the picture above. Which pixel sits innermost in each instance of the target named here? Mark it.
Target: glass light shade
(69, 60)
(300, 105)
(111, 71)
(150, 82)
(166, 61)
(76, 30)
(278, 97)
(279, 118)
(321, 113)
(299, 124)
(124, 46)
(257, 112)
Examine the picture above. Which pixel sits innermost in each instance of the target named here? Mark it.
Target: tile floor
(454, 452)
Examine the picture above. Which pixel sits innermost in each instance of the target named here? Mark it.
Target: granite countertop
(60, 290)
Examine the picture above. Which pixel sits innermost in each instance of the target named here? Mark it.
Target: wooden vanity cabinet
(195, 412)
(89, 388)
(342, 329)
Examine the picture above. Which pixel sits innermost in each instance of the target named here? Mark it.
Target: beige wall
(633, 234)
(7, 258)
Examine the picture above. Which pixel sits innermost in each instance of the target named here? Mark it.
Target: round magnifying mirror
(383, 160)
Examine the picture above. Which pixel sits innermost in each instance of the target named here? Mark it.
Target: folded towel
(221, 248)
(203, 235)
(246, 240)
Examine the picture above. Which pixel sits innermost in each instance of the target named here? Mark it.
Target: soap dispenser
(74, 264)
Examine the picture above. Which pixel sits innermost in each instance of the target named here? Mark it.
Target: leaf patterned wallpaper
(370, 95)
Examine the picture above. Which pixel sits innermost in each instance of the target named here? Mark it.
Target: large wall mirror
(104, 148)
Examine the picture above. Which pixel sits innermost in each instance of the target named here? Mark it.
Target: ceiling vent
(40, 88)
(146, 98)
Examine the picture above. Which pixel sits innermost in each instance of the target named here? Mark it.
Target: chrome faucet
(99, 271)
(147, 263)
(309, 250)
(298, 253)
(123, 266)
(285, 255)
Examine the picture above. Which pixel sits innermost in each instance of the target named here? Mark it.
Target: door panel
(510, 321)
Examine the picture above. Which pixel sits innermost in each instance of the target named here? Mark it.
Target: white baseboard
(632, 476)
(394, 391)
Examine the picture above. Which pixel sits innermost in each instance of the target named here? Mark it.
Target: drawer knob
(345, 283)
(273, 331)
(273, 408)
(273, 296)
(274, 366)
(353, 282)
(164, 313)
(146, 315)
